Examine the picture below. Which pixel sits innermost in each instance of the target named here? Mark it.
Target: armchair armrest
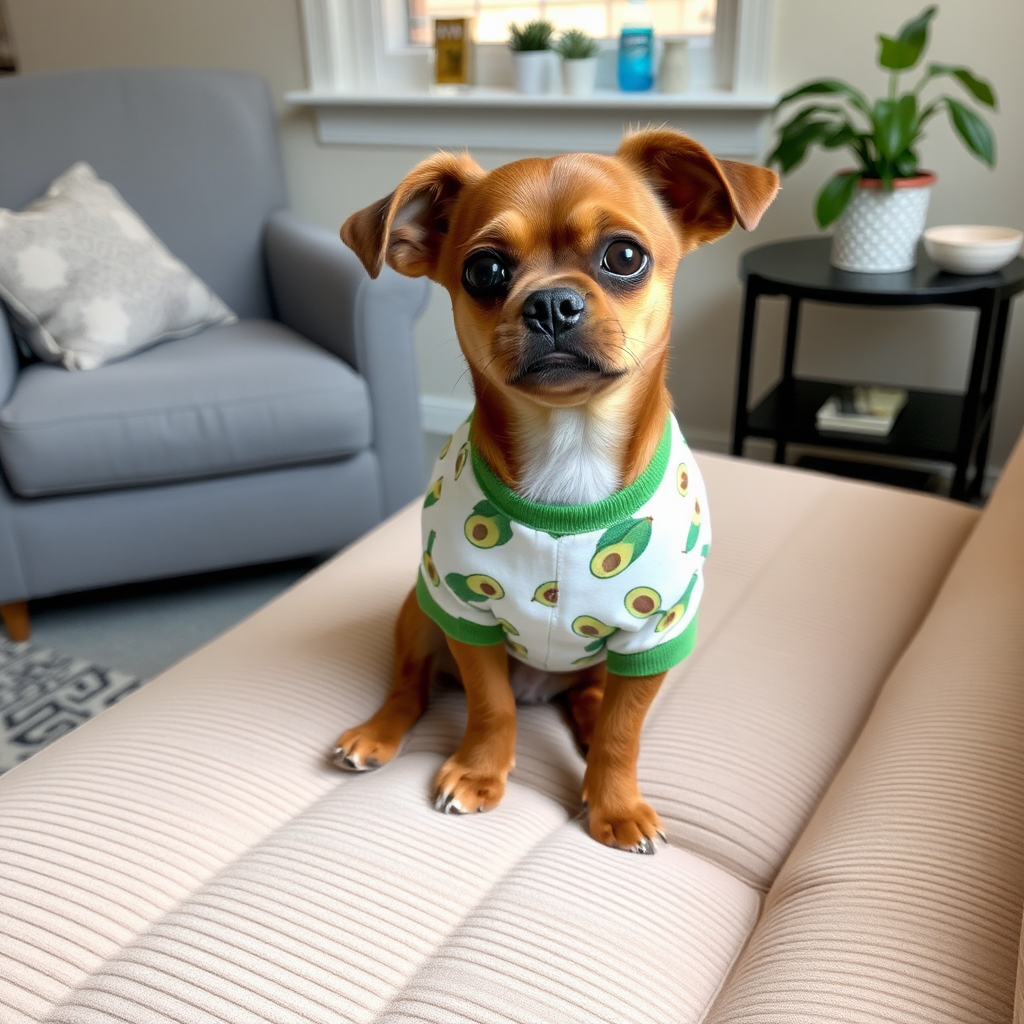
(8, 359)
(321, 291)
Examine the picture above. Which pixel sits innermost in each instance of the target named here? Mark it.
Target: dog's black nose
(553, 311)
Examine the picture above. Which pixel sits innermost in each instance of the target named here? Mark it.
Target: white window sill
(729, 124)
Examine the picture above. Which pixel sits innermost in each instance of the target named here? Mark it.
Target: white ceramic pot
(532, 71)
(674, 70)
(579, 75)
(879, 230)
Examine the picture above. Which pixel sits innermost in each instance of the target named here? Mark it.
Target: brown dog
(560, 273)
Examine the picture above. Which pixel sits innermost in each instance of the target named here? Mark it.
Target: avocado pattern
(487, 527)
(678, 610)
(593, 629)
(691, 537)
(588, 626)
(620, 546)
(682, 479)
(434, 494)
(630, 617)
(474, 588)
(428, 560)
(642, 602)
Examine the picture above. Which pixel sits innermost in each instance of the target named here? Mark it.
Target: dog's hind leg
(581, 704)
(418, 642)
(474, 777)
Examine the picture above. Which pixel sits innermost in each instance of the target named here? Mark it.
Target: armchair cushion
(88, 282)
(234, 399)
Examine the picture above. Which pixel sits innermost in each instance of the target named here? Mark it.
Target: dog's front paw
(633, 828)
(363, 748)
(461, 789)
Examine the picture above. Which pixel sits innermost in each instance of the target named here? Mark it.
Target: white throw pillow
(87, 282)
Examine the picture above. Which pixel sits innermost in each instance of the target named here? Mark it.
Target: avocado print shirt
(565, 586)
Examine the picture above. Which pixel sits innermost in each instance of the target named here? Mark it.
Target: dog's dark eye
(486, 275)
(624, 259)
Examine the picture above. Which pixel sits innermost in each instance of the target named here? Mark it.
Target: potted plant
(887, 189)
(579, 62)
(531, 55)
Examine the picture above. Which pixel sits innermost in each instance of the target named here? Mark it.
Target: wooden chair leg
(15, 618)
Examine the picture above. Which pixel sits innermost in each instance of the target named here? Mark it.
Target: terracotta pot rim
(920, 180)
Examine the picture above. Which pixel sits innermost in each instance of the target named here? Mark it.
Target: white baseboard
(442, 415)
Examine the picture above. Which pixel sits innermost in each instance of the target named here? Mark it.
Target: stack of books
(861, 410)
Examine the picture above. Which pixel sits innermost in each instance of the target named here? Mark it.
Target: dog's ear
(406, 228)
(706, 196)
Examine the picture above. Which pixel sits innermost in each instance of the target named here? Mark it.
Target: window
(365, 44)
(370, 84)
(602, 19)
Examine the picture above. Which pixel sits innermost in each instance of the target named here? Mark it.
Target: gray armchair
(289, 433)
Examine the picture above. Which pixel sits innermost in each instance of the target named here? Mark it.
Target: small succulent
(575, 44)
(534, 35)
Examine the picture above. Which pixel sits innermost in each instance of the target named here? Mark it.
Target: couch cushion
(233, 399)
(814, 587)
(188, 148)
(191, 854)
(87, 282)
(902, 900)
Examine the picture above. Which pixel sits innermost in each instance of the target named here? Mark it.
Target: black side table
(939, 426)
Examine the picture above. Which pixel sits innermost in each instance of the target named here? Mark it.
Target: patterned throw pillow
(86, 281)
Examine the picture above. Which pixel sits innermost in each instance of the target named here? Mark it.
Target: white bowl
(972, 248)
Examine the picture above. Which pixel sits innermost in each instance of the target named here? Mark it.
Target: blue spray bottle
(636, 49)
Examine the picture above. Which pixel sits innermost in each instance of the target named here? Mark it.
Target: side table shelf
(926, 428)
(937, 426)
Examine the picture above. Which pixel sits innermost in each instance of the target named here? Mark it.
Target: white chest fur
(570, 459)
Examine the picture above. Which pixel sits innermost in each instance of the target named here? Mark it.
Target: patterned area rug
(44, 695)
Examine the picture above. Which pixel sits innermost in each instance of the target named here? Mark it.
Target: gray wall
(811, 38)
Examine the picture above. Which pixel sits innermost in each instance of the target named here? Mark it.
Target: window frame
(360, 45)
(357, 100)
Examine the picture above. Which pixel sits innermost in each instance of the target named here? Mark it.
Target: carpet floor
(44, 695)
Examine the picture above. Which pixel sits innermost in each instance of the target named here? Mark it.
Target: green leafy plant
(575, 44)
(883, 136)
(534, 35)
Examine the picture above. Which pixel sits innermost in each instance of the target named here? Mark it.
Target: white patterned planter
(879, 230)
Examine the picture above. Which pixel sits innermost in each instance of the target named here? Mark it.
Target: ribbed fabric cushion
(190, 855)
(576, 932)
(233, 399)
(823, 589)
(902, 900)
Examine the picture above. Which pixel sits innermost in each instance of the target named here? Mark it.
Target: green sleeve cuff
(657, 659)
(458, 629)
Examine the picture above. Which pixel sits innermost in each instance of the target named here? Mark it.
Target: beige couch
(839, 767)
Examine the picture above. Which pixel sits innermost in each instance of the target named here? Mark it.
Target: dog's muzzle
(552, 312)
(555, 349)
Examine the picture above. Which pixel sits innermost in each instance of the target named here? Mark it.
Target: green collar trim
(567, 519)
